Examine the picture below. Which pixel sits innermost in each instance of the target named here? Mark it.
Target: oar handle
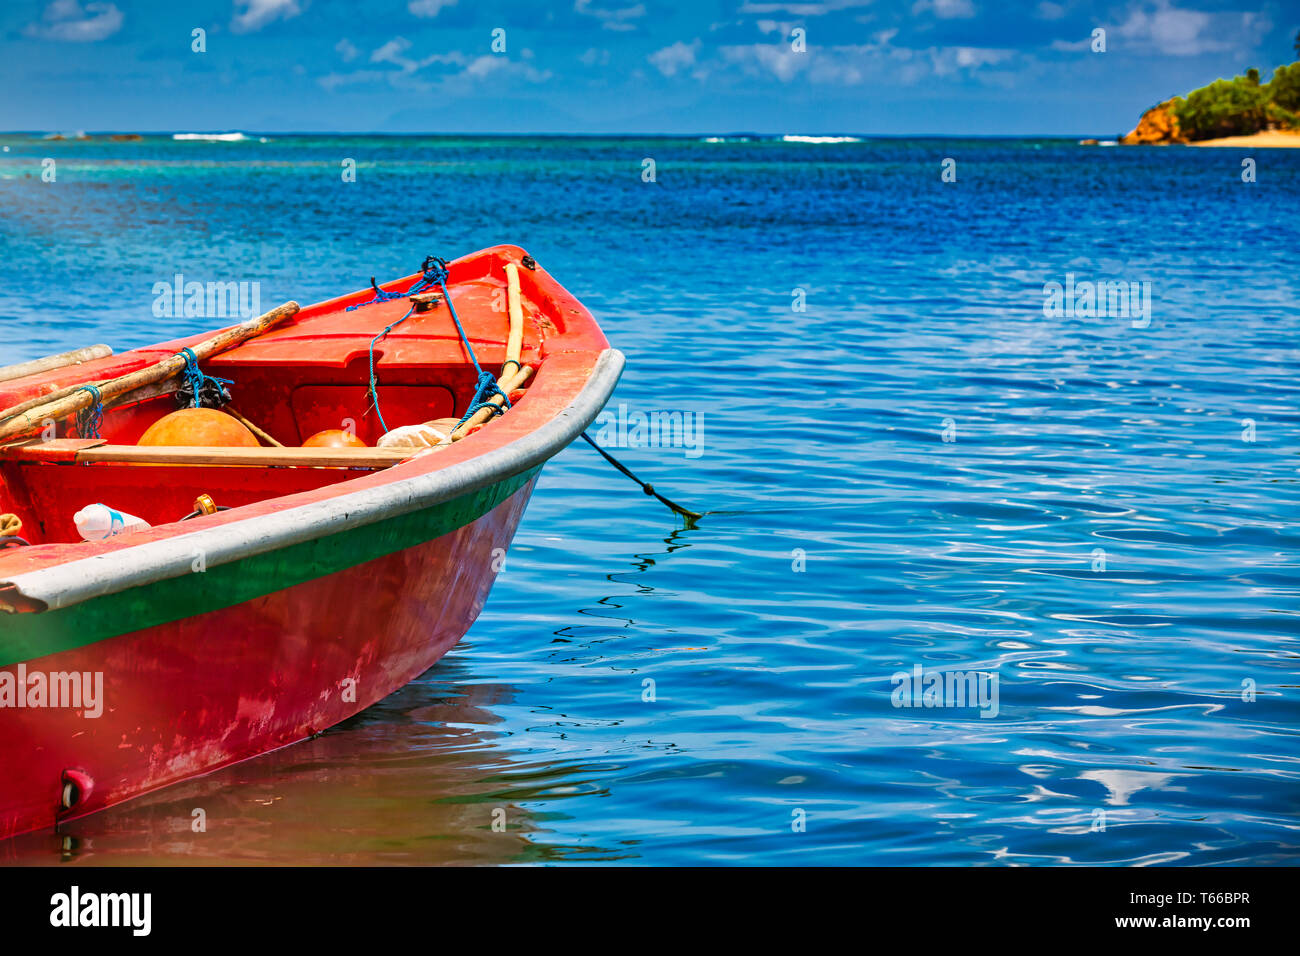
(70, 402)
(50, 362)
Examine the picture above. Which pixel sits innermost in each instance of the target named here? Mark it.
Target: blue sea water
(911, 463)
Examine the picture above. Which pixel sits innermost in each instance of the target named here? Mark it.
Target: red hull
(199, 694)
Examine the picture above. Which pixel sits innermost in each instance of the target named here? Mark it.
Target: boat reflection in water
(419, 778)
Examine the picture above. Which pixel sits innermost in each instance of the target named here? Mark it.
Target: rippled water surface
(1099, 533)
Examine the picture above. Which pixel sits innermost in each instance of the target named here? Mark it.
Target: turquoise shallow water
(1098, 533)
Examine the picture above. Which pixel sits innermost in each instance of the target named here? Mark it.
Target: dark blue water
(1109, 530)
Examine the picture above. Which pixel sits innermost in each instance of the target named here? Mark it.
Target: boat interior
(295, 381)
(46, 482)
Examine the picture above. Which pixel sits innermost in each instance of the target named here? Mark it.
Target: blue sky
(1016, 67)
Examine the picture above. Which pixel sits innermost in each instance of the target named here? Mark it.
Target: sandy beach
(1271, 138)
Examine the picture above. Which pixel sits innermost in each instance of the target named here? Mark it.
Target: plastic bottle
(97, 522)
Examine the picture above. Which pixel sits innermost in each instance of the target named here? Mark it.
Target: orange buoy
(199, 426)
(334, 438)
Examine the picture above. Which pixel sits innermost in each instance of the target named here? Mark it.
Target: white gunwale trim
(87, 578)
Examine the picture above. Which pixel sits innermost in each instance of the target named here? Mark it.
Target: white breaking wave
(217, 137)
(790, 138)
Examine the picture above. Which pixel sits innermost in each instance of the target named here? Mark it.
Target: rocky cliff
(1157, 125)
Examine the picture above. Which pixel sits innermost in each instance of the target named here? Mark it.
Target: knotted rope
(433, 272)
(90, 418)
(197, 382)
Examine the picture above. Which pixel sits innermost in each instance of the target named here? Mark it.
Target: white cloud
(952, 59)
(67, 20)
(798, 9)
(676, 57)
(394, 52)
(491, 63)
(332, 81)
(1171, 31)
(409, 74)
(781, 28)
(391, 51)
(1049, 11)
(611, 19)
(595, 56)
(946, 9)
(258, 13)
(485, 64)
(345, 49)
(1158, 27)
(850, 65)
(832, 65)
(779, 60)
(429, 8)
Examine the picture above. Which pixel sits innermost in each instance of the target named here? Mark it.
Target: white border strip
(82, 580)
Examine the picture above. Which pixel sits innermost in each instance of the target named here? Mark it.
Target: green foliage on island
(1241, 106)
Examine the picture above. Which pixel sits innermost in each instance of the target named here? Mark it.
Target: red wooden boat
(329, 582)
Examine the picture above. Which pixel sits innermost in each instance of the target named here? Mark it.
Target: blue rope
(89, 419)
(374, 382)
(433, 272)
(382, 296)
(195, 377)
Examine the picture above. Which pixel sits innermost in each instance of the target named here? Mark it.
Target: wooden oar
(269, 457)
(51, 362)
(16, 425)
(40, 400)
(484, 415)
(139, 395)
(516, 340)
(509, 380)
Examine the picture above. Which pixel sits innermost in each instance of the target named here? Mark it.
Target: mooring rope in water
(433, 272)
(690, 516)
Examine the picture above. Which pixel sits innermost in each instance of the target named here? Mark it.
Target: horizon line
(518, 135)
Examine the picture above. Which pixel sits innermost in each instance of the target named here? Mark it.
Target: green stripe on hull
(27, 636)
